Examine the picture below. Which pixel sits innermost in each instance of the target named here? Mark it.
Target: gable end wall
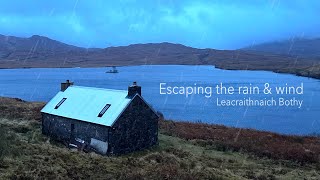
(136, 128)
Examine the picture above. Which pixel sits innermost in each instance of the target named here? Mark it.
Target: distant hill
(294, 47)
(34, 43)
(39, 51)
(32, 48)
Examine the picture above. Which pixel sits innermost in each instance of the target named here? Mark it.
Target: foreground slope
(185, 151)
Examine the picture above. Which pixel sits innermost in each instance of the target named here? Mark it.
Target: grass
(263, 144)
(27, 154)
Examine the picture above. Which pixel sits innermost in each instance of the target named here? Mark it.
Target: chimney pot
(65, 85)
(134, 89)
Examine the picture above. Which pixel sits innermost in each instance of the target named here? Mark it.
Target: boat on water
(113, 70)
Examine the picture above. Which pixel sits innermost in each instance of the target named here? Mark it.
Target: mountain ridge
(42, 52)
(35, 41)
(301, 47)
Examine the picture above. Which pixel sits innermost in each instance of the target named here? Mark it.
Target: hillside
(300, 47)
(185, 151)
(16, 47)
(38, 51)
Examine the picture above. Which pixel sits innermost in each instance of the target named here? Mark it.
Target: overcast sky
(220, 24)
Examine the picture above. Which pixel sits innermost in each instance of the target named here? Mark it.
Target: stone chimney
(65, 85)
(134, 89)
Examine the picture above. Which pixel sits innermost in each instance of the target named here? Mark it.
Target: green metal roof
(85, 103)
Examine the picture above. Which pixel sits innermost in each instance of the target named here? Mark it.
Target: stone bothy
(110, 121)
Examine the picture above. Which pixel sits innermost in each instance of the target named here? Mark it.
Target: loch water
(41, 84)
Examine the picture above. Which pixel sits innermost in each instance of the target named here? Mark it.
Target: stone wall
(59, 128)
(136, 129)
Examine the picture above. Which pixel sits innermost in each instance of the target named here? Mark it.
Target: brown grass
(201, 152)
(14, 108)
(259, 143)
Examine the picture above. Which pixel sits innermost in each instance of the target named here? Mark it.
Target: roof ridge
(97, 88)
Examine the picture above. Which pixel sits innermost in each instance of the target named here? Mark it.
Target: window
(59, 104)
(106, 107)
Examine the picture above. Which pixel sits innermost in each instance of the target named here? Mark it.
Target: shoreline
(311, 134)
(297, 74)
(262, 131)
(178, 121)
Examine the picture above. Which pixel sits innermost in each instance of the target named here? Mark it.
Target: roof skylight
(106, 107)
(59, 104)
